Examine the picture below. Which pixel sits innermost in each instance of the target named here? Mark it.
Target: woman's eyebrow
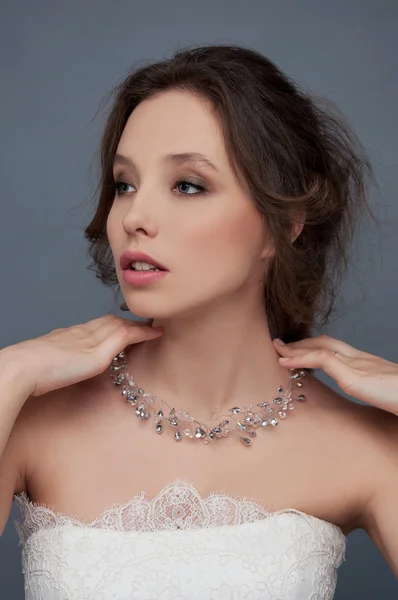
(193, 158)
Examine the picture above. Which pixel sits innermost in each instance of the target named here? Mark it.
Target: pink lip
(141, 278)
(129, 255)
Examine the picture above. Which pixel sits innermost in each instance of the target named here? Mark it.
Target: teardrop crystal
(245, 441)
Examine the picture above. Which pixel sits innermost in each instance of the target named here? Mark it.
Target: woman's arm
(14, 391)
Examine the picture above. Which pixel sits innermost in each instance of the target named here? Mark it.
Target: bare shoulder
(47, 421)
(360, 440)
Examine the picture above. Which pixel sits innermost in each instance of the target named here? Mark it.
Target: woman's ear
(297, 227)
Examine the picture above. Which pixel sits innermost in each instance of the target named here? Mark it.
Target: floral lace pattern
(178, 546)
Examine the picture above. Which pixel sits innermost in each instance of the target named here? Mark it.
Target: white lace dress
(179, 546)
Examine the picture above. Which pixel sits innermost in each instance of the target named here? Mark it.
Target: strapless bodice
(178, 546)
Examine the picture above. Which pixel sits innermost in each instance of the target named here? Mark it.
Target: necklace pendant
(245, 441)
(263, 404)
(116, 368)
(130, 396)
(199, 432)
(118, 379)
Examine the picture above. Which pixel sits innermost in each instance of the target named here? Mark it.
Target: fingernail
(278, 341)
(284, 359)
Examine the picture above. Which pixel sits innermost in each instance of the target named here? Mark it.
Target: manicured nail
(278, 341)
(284, 359)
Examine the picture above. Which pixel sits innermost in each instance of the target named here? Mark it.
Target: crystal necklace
(248, 420)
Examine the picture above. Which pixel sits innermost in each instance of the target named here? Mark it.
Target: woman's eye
(188, 184)
(121, 188)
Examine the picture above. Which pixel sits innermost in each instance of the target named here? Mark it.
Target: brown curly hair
(294, 156)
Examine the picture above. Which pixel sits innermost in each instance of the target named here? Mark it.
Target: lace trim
(177, 506)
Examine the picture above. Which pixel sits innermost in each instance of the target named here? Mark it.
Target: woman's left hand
(359, 374)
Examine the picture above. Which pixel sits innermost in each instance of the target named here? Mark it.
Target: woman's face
(211, 240)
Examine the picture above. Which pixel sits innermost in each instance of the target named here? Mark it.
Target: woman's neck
(208, 367)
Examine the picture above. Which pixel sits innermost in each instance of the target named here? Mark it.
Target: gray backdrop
(59, 59)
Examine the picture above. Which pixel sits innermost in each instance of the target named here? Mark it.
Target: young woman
(192, 462)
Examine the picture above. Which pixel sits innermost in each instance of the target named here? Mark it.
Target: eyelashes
(118, 186)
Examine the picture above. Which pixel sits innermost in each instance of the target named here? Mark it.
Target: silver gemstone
(299, 383)
(245, 441)
(280, 390)
(199, 432)
(282, 414)
(119, 378)
(274, 422)
(235, 410)
(159, 428)
(160, 414)
(174, 422)
(263, 404)
(264, 423)
(242, 426)
(252, 433)
(301, 397)
(177, 436)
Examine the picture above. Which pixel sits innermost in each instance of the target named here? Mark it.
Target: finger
(336, 365)
(322, 342)
(96, 324)
(287, 352)
(135, 331)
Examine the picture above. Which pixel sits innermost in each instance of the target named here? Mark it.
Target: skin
(80, 449)
(216, 248)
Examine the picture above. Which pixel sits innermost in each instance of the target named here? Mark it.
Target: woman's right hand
(68, 355)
